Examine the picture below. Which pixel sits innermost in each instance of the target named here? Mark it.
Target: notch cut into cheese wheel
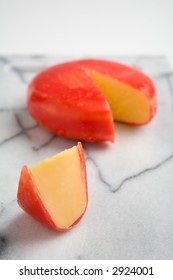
(127, 104)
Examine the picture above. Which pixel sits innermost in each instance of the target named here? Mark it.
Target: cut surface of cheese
(60, 185)
(127, 104)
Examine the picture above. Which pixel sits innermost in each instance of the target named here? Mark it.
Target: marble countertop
(130, 211)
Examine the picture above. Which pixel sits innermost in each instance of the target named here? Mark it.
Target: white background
(87, 27)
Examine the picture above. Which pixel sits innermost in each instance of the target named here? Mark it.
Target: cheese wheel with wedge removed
(82, 99)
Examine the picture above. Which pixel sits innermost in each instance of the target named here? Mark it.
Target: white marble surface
(130, 211)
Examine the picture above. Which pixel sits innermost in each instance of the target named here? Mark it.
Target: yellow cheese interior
(61, 187)
(127, 104)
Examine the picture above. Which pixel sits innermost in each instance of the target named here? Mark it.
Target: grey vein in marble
(114, 189)
(149, 169)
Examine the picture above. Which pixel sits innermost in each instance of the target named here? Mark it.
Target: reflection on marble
(130, 209)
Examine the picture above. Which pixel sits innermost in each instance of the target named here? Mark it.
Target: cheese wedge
(60, 186)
